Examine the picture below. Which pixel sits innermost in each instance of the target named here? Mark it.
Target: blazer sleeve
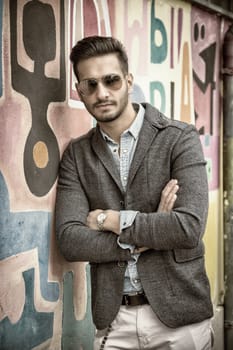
(75, 240)
(184, 226)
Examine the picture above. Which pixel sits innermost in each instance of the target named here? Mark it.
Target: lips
(104, 104)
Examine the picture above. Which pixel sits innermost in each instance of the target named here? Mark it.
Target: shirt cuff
(127, 218)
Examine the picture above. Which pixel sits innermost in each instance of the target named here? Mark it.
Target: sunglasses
(87, 87)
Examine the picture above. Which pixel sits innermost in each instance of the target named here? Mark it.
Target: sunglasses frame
(88, 90)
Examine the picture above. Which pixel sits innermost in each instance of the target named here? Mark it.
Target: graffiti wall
(174, 52)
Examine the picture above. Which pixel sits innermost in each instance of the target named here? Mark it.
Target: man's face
(108, 101)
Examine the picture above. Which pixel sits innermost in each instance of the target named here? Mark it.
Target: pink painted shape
(137, 30)
(90, 18)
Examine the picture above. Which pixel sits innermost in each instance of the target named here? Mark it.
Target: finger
(171, 203)
(168, 196)
(171, 187)
(168, 202)
(171, 183)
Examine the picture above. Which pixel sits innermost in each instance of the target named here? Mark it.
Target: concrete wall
(175, 56)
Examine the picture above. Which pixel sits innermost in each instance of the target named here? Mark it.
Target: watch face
(101, 217)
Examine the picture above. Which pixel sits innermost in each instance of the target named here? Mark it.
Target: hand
(168, 196)
(92, 219)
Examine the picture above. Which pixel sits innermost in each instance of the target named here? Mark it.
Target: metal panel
(218, 329)
(222, 7)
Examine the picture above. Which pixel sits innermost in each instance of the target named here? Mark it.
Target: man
(148, 279)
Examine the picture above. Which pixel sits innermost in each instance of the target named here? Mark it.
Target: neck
(115, 128)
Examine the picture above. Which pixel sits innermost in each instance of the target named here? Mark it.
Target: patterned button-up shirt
(123, 154)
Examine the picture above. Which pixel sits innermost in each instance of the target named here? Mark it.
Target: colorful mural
(174, 55)
(206, 87)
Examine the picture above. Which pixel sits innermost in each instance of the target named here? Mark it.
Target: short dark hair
(93, 46)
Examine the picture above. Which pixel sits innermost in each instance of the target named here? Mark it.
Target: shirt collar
(135, 127)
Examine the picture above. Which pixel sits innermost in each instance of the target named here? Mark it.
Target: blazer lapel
(103, 153)
(146, 137)
(153, 122)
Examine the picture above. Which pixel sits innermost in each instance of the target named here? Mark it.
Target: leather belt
(134, 300)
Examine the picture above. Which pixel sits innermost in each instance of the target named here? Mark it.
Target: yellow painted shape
(214, 247)
(40, 154)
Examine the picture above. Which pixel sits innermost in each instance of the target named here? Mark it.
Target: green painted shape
(158, 52)
(157, 85)
(76, 334)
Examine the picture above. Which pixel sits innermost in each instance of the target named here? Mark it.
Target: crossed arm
(112, 222)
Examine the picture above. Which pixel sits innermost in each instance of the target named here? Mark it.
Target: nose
(102, 91)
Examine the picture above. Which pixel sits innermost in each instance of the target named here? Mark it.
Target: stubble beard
(108, 118)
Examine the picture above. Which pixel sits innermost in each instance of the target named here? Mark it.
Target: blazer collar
(155, 117)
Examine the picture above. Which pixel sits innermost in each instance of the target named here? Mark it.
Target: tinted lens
(89, 86)
(112, 81)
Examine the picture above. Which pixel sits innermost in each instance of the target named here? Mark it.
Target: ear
(80, 95)
(129, 80)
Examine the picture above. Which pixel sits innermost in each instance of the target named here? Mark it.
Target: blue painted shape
(76, 335)
(32, 329)
(23, 231)
(1, 13)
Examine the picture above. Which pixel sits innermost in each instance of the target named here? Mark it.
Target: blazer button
(121, 263)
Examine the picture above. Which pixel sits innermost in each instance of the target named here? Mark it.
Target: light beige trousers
(138, 327)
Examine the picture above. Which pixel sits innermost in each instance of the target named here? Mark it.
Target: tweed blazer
(172, 271)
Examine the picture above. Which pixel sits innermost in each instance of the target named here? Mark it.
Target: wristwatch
(100, 220)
